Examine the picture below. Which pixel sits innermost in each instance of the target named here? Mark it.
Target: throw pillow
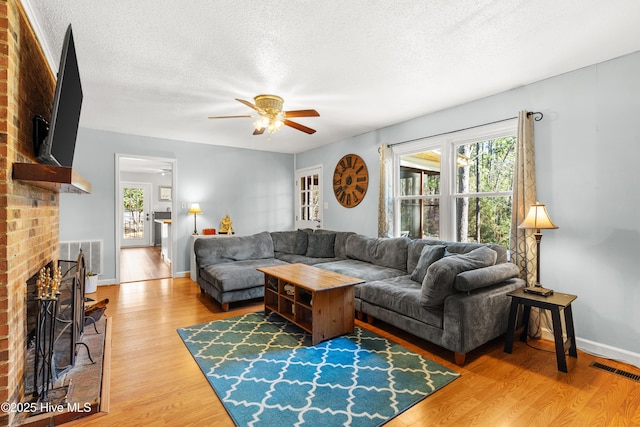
(284, 241)
(321, 245)
(480, 278)
(439, 281)
(429, 255)
(302, 241)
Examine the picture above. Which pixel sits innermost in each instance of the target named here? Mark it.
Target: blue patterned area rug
(267, 373)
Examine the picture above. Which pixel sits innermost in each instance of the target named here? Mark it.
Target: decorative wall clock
(350, 180)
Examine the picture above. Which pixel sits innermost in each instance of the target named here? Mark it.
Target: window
(420, 194)
(457, 186)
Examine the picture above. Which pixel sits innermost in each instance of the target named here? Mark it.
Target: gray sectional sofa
(451, 294)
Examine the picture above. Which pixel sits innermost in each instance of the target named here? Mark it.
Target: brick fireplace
(28, 214)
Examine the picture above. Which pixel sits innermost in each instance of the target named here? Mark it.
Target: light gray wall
(587, 151)
(254, 187)
(362, 218)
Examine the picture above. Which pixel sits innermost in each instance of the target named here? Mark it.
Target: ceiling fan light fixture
(274, 125)
(261, 123)
(269, 102)
(271, 117)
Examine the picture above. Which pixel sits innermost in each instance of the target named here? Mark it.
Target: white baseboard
(609, 352)
(599, 349)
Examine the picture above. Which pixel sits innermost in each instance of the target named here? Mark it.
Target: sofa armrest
(486, 276)
(472, 319)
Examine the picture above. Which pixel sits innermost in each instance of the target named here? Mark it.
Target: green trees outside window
(133, 199)
(477, 182)
(484, 191)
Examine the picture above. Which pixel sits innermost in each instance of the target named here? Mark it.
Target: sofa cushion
(227, 249)
(416, 245)
(386, 252)
(320, 245)
(401, 295)
(475, 279)
(439, 281)
(339, 249)
(464, 248)
(414, 250)
(302, 259)
(429, 255)
(302, 241)
(233, 276)
(361, 270)
(284, 241)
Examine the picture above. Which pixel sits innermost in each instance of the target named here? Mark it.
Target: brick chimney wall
(28, 214)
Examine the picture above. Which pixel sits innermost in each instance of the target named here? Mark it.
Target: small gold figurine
(226, 227)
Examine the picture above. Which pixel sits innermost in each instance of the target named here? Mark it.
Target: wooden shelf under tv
(55, 178)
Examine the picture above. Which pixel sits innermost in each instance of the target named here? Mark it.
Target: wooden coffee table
(319, 301)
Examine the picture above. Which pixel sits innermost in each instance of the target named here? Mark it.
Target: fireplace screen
(52, 347)
(70, 320)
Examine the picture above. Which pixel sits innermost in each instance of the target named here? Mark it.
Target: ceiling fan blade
(301, 113)
(231, 117)
(258, 131)
(299, 126)
(248, 104)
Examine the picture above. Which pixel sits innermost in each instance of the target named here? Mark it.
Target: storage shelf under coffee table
(319, 301)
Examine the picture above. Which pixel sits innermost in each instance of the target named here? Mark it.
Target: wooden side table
(553, 303)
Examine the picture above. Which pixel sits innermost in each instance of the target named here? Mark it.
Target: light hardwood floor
(155, 382)
(143, 263)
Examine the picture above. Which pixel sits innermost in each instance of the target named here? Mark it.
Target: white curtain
(523, 243)
(385, 200)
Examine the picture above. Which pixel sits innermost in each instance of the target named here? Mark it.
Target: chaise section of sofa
(227, 267)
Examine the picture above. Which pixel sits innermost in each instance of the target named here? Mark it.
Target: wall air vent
(92, 250)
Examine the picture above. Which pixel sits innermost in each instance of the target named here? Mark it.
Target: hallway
(143, 263)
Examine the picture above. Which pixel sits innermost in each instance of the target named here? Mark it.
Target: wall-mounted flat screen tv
(55, 142)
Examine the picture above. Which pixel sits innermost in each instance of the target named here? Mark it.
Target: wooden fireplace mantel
(56, 178)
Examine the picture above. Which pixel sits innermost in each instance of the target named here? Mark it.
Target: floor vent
(633, 377)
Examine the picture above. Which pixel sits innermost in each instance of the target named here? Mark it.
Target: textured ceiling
(160, 67)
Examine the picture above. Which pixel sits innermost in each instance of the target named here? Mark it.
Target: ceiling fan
(270, 115)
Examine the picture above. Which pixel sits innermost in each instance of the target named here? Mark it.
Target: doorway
(145, 198)
(309, 198)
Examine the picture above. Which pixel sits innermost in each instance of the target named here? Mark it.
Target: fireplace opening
(30, 320)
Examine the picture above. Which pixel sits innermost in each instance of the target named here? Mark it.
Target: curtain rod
(537, 117)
